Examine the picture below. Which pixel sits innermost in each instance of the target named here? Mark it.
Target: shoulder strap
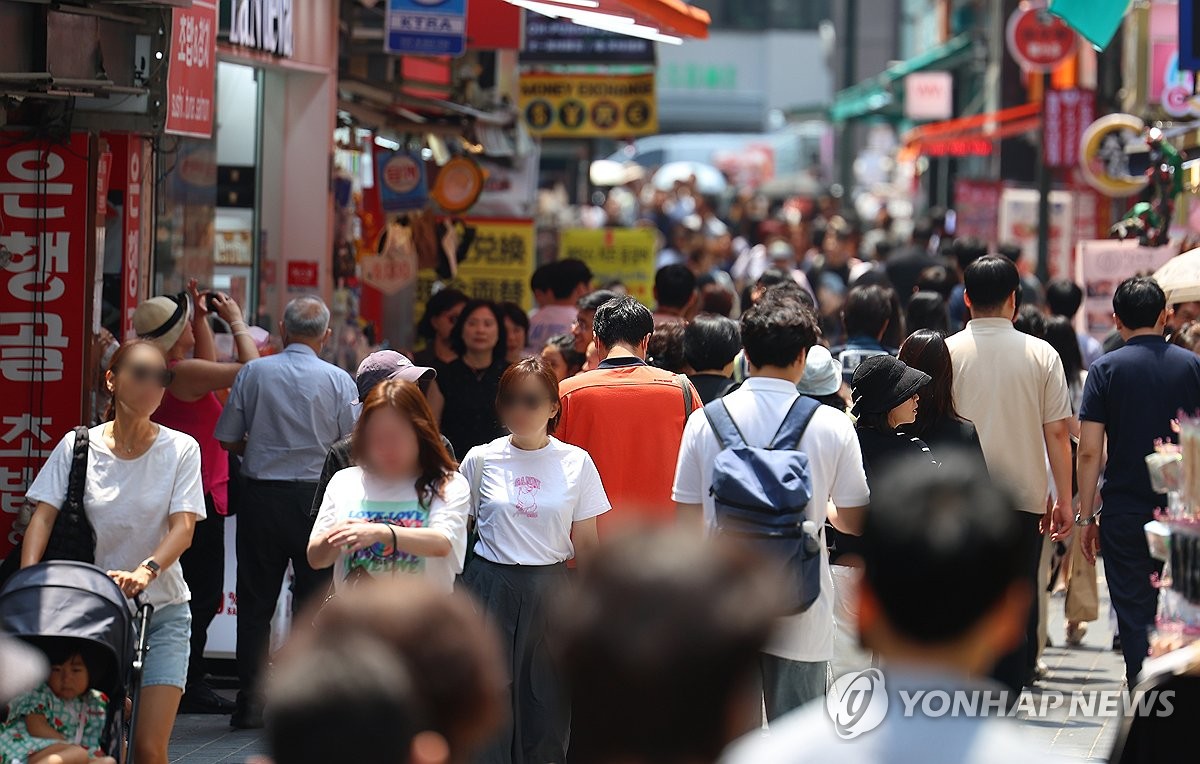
(791, 430)
(78, 475)
(723, 426)
(689, 405)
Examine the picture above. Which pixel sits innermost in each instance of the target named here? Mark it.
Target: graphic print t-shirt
(353, 494)
(529, 499)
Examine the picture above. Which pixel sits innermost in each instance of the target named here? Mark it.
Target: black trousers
(204, 570)
(1128, 567)
(1015, 669)
(273, 525)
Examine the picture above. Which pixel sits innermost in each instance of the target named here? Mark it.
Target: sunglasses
(528, 401)
(140, 373)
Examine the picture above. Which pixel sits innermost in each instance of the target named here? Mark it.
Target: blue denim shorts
(170, 645)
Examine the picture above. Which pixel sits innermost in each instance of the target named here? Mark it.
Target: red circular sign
(401, 174)
(1038, 41)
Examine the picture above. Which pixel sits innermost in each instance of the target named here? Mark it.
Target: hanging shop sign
(496, 265)
(976, 203)
(1018, 223)
(550, 40)
(1104, 155)
(1100, 266)
(1037, 40)
(132, 274)
(929, 95)
(401, 179)
(395, 265)
(615, 254)
(44, 192)
(589, 106)
(1066, 114)
(264, 25)
(192, 70)
(459, 183)
(426, 27)
(303, 274)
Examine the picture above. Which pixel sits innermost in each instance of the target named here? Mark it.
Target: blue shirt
(290, 408)
(1135, 392)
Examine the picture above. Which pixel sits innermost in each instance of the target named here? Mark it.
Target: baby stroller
(73, 600)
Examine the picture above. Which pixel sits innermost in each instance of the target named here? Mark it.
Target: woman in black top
(938, 424)
(463, 396)
(441, 315)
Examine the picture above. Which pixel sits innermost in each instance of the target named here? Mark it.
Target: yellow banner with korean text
(589, 105)
(496, 263)
(615, 254)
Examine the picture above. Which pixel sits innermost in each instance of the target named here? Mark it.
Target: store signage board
(615, 254)
(401, 179)
(303, 274)
(550, 40)
(589, 106)
(929, 95)
(192, 70)
(1189, 35)
(426, 27)
(1038, 41)
(1067, 114)
(264, 25)
(44, 192)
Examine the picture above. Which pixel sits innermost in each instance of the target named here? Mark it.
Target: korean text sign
(496, 266)
(44, 200)
(615, 254)
(191, 70)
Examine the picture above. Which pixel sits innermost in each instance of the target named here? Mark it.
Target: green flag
(1096, 20)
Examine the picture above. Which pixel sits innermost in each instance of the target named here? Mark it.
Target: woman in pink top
(179, 325)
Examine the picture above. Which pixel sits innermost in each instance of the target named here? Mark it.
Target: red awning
(652, 19)
(972, 136)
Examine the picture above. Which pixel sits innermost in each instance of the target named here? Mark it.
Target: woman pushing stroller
(143, 497)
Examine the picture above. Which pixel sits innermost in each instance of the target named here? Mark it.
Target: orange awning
(662, 20)
(972, 136)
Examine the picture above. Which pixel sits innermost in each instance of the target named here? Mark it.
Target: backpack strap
(689, 405)
(78, 474)
(791, 430)
(723, 426)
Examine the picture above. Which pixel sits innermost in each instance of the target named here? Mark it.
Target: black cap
(881, 383)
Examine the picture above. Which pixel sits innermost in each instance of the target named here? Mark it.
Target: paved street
(208, 739)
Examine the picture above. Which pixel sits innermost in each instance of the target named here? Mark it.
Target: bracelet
(392, 528)
(235, 322)
(243, 333)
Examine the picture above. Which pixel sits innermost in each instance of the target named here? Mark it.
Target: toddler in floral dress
(60, 722)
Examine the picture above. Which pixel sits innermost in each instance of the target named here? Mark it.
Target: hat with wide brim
(22, 668)
(161, 320)
(881, 383)
(822, 373)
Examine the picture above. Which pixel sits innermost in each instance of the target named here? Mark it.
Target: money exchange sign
(589, 106)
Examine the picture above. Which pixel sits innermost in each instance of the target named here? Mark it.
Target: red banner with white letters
(192, 70)
(44, 197)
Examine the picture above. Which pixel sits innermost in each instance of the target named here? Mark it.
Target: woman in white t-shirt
(143, 495)
(403, 510)
(535, 501)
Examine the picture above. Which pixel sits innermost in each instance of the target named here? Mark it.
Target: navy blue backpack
(760, 496)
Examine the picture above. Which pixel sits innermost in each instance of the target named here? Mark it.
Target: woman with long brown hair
(938, 423)
(403, 509)
(143, 495)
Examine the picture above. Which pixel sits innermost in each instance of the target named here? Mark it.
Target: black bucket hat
(881, 383)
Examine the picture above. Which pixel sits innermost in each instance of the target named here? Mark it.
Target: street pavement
(1093, 666)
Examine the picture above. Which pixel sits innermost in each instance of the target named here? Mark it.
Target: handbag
(73, 537)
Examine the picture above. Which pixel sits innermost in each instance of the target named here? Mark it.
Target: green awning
(876, 94)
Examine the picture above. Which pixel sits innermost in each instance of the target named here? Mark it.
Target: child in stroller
(63, 720)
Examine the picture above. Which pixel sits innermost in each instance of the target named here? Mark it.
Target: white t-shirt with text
(129, 501)
(354, 493)
(835, 462)
(529, 499)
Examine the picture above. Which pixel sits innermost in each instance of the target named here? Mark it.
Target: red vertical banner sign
(192, 70)
(1067, 114)
(44, 198)
(131, 245)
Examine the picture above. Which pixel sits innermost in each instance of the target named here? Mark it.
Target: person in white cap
(179, 325)
(822, 380)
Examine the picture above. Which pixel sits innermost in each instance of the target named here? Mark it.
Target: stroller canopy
(73, 600)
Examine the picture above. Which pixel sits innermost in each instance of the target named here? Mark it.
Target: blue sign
(400, 176)
(426, 27)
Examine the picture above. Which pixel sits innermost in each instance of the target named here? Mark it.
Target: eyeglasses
(526, 400)
(142, 373)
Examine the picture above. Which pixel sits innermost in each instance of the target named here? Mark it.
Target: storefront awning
(876, 94)
(971, 136)
(668, 21)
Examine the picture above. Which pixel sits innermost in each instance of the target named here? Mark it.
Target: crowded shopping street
(599, 381)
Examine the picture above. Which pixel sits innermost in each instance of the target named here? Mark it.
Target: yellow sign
(615, 254)
(497, 265)
(589, 105)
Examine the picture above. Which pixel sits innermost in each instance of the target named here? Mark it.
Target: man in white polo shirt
(777, 334)
(1013, 389)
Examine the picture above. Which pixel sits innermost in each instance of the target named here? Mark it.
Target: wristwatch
(1081, 521)
(152, 566)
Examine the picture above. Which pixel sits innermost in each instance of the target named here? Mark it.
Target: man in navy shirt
(1130, 398)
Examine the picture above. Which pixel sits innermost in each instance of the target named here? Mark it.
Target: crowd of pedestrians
(870, 460)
